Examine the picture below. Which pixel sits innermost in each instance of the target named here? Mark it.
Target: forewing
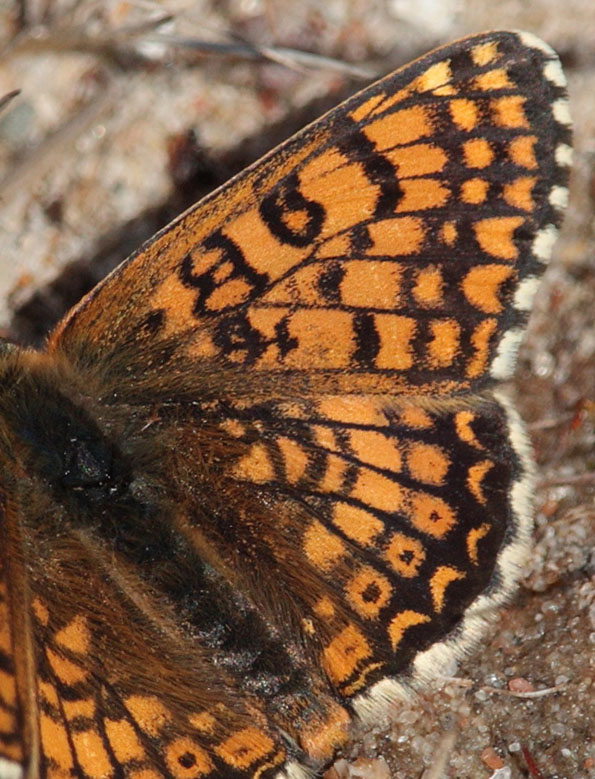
(392, 246)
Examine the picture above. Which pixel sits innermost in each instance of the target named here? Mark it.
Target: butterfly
(262, 479)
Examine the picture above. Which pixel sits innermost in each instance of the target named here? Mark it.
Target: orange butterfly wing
(392, 246)
(270, 455)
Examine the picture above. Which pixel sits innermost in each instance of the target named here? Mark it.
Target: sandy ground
(98, 152)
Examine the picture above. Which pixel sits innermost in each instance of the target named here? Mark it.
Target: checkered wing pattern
(282, 479)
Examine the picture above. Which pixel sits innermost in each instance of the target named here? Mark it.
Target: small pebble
(491, 758)
(519, 684)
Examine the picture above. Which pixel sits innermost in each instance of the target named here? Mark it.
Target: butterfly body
(261, 478)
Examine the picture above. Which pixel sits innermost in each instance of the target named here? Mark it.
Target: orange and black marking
(349, 242)
(11, 747)
(263, 471)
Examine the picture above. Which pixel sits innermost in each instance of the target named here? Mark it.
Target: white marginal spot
(561, 112)
(10, 770)
(564, 154)
(439, 659)
(512, 561)
(544, 242)
(371, 705)
(533, 42)
(295, 771)
(525, 293)
(521, 497)
(554, 73)
(503, 363)
(559, 197)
